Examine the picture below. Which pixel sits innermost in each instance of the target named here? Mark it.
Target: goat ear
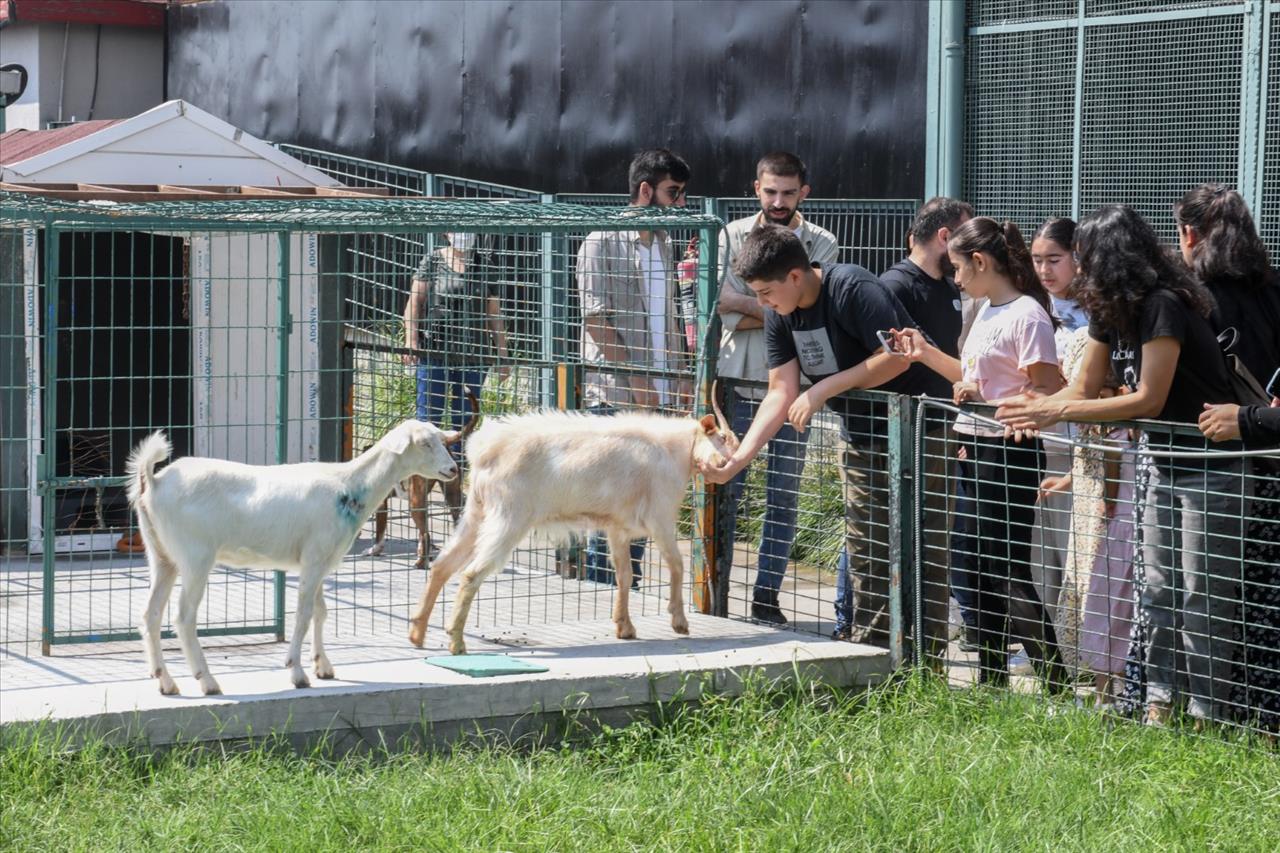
(708, 423)
(397, 441)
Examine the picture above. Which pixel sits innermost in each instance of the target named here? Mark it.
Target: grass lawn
(914, 766)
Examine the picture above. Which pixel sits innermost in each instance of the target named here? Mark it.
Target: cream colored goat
(197, 512)
(557, 473)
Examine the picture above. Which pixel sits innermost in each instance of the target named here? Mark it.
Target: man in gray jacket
(781, 185)
(630, 319)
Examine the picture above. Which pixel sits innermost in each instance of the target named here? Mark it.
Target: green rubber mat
(483, 666)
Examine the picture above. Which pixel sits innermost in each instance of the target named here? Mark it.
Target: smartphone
(887, 341)
(1273, 387)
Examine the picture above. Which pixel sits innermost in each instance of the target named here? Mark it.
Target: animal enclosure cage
(266, 331)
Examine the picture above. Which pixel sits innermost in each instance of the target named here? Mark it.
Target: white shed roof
(173, 143)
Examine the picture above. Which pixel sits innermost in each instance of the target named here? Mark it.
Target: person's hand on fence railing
(805, 407)
(1220, 422)
(1028, 413)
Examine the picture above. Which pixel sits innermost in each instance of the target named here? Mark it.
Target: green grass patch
(912, 766)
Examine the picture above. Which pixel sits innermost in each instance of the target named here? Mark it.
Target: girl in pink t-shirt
(1010, 350)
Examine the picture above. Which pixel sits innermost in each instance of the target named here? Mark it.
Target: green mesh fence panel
(355, 172)
(264, 332)
(450, 186)
(1134, 103)
(871, 233)
(1019, 125)
(1268, 210)
(1097, 8)
(1015, 11)
(1145, 142)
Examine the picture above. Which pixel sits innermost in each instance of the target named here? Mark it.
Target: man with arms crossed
(781, 185)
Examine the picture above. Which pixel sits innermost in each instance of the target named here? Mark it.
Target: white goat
(304, 517)
(560, 472)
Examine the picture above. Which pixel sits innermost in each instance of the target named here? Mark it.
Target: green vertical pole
(706, 586)
(1252, 103)
(1078, 114)
(548, 325)
(46, 466)
(282, 392)
(901, 532)
(944, 109)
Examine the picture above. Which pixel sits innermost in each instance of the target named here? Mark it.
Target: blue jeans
(785, 463)
(440, 385)
(597, 557)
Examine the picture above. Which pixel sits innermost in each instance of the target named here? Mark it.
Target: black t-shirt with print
(1201, 373)
(934, 305)
(839, 332)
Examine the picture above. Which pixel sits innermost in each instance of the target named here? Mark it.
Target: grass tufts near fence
(912, 765)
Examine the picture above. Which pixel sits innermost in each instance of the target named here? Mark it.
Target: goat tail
(141, 469)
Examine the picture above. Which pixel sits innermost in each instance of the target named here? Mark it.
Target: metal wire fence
(1042, 579)
(266, 332)
(1071, 104)
(276, 331)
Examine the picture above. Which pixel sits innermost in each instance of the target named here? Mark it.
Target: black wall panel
(557, 95)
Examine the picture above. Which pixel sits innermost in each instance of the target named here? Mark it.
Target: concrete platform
(385, 692)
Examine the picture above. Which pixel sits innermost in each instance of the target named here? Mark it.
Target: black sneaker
(767, 613)
(842, 635)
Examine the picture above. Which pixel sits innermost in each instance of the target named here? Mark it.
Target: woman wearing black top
(1221, 246)
(1149, 322)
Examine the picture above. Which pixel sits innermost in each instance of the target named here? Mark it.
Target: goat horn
(715, 407)
(453, 438)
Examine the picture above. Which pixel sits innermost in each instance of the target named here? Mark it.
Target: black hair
(1229, 248)
(1122, 263)
(938, 213)
(783, 164)
(1003, 243)
(769, 253)
(1060, 230)
(654, 165)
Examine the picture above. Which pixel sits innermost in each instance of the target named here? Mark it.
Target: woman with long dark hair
(1009, 350)
(1221, 246)
(1149, 321)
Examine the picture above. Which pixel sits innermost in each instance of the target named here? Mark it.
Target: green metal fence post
(710, 592)
(46, 463)
(944, 111)
(1252, 100)
(282, 403)
(901, 531)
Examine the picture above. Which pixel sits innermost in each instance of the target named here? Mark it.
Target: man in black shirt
(923, 283)
(822, 322)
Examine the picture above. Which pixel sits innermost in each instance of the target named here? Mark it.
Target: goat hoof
(420, 564)
(213, 690)
(301, 683)
(457, 647)
(680, 627)
(417, 635)
(626, 631)
(168, 687)
(324, 670)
